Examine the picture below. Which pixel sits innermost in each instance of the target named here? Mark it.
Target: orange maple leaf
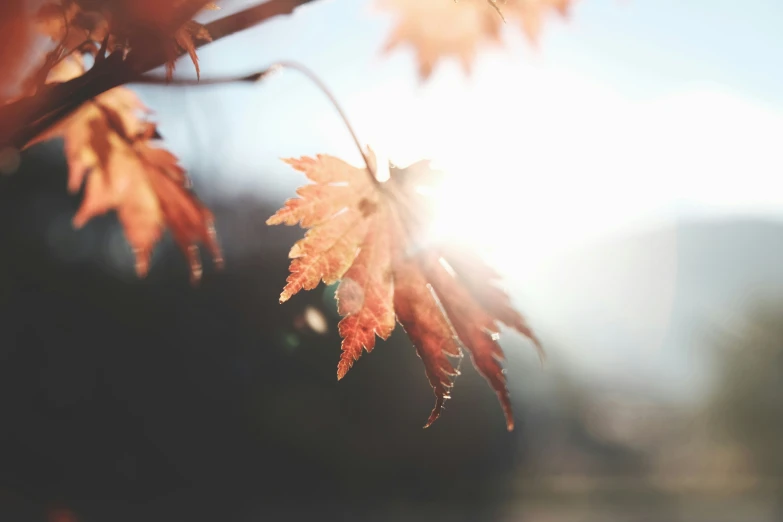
(440, 28)
(361, 233)
(109, 150)
(456, 28)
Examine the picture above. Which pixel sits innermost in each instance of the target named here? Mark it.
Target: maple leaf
(441, 28)
(438, 29)
(364, 234)
(109, 150)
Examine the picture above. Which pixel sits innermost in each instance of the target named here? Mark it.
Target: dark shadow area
(153, 400)
(126, 399)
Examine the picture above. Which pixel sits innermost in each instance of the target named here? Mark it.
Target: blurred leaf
(438, 29)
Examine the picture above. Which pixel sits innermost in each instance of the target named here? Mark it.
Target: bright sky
(632, 114)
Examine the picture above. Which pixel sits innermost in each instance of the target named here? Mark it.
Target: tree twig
(22, 120)
(146, 79)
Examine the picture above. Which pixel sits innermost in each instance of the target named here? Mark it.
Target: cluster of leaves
(364, 233)
(109, 143)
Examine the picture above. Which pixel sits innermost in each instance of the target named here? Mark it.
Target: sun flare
(549, 160)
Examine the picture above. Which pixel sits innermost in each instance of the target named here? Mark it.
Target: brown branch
(223, 27)
(145, 79)
(240, 21)
(22, 120)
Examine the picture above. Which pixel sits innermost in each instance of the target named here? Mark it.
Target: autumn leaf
(438, 29)
(334, 211)
(109, 148)
(442, 28)
(366, 234)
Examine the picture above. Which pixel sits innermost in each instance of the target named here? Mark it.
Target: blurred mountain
(639, 312)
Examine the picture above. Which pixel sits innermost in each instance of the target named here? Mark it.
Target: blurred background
(625, 179)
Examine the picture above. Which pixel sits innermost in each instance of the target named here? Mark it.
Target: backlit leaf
(110, 151)
(367, 234)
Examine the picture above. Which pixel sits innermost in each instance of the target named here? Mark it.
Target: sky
(632, 115)
(631, 111)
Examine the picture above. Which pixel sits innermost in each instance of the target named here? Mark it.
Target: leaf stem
(147, 79)
(324, 89)
(496, 7)
(258, 76)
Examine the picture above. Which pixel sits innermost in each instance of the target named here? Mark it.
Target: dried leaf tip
(436, 410)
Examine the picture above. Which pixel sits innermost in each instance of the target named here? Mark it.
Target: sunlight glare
(547, 160)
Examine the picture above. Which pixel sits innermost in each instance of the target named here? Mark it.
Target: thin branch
(58, 100)
(22, 120)
(146, 79)
(255, 77)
